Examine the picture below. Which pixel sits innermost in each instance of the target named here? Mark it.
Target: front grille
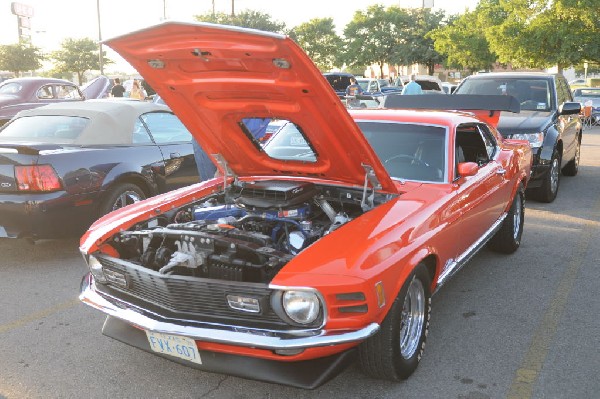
(191, 298)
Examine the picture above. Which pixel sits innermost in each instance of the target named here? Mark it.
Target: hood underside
(215, 76)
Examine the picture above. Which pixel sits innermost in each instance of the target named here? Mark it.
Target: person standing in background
(117, 90)
(136, 91)
(412, 87)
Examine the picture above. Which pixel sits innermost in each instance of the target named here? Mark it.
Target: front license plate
(174, 345)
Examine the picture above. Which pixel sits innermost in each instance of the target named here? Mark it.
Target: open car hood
(213, 76)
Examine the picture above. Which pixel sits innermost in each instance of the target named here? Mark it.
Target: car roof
(111, 122)
(511, 75)
(37, 79)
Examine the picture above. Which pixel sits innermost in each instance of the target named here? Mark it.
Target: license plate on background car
(174, 345)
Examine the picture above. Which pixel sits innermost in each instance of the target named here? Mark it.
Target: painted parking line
(37, 315)
(528, 372)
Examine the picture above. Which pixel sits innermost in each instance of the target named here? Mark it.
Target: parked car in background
(429, 84)
(25, 93)
(588, 95)
(325, 243)
(64, 165)
(549, 120)
(339, 81)
(376, 87)
(448, 87)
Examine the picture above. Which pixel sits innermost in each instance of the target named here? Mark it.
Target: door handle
(501, 171)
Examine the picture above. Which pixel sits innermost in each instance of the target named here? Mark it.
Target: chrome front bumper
(218, 333)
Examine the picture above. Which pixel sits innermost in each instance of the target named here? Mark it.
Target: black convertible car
(64, 165)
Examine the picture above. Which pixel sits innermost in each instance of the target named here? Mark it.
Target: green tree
(416, 46)
(77, 56)
(372, 37)
(247, 19)
(542, 33)
(20, 57)
(463, 43)
(318, 38)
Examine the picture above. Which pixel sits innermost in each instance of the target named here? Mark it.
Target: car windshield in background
(338, 82)
(591, 93)
(408, 151)
(290, 144)
(533, 94)
(44, 128)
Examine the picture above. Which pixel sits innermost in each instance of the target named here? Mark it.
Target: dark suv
(339, 81)
(549, 119)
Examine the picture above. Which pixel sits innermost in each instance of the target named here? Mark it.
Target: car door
(567, 124)
(175, 143)
(481, 199)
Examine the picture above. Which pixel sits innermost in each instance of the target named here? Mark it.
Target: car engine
(246, 233)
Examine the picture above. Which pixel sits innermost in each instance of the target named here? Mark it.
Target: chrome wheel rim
(554, 175)
(517, 217)
(126, 198)
(413, 318)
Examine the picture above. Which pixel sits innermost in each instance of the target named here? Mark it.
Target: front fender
(551, 139)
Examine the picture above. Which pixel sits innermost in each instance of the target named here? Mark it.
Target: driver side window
(474, 143)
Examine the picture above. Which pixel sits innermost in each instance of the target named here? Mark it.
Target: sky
(55, 20)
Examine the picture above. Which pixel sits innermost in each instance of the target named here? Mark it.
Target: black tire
(508, 239)
(121, 195)
(549, 189)
(386, 355)
(572, 167)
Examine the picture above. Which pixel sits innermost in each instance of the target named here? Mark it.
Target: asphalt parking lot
(518, 326)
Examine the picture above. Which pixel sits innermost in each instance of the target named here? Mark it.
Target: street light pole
(233, 8)
(100, 57)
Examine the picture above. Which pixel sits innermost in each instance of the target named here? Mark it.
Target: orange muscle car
(319, 248)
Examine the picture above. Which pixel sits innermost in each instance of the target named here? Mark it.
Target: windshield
(533, 94)
(407, 151)
(44, 129)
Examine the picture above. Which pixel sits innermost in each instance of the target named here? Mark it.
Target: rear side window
(165, 128)
(56, 129)
(10, 88)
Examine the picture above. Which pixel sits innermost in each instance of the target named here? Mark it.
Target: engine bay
(247, 232)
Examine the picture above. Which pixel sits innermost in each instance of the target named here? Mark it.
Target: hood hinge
(222, 163)
(367, 200)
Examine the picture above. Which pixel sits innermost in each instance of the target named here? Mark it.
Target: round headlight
(96, 269)
(301, 306)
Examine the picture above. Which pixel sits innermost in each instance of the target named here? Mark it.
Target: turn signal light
(37, 178)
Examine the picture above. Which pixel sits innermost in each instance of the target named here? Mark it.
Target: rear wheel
(573, 166)
(395, 351)
(121, 195)
(508, 239)
(549, 189)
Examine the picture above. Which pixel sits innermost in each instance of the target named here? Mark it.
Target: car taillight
(37, 178)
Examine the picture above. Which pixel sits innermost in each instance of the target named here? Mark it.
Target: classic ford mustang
(323, 246)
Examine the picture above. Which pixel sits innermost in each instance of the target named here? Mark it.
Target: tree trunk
(381, 70)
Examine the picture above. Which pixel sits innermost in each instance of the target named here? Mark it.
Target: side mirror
(569, 108)
(467, 169)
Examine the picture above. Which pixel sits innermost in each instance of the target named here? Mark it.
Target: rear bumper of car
(48, 215)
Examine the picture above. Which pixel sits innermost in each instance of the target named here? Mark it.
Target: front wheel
(395, 351)
(549, 189)
(508, 239)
